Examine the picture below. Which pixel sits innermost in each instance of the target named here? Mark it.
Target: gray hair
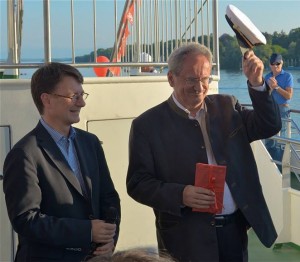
(177, 57)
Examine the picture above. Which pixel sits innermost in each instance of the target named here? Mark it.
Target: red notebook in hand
(211, 177)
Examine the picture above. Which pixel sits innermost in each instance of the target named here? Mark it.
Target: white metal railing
(288, 166)
(152, 26)
(289, 144)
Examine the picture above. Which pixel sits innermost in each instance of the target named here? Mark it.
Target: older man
(281, 84)
(193, 127)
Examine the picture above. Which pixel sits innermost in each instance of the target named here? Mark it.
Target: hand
(272, 82)
(106, 249)
(198, 197)
(102, 232)
(253, 68)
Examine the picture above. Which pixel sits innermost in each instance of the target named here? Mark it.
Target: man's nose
(80, 102)
(198, 86)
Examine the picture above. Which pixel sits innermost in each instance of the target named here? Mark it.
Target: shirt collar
(203, 108)
(281, 73)
(55, 134)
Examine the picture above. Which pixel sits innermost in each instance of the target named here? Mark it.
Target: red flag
(130, 13)
(128, 17)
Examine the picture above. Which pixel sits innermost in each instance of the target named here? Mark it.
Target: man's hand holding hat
(253, 69)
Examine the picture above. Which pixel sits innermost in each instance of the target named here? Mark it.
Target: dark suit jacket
(164, 148)
(44, 200)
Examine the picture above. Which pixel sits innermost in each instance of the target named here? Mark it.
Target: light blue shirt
(67, 147)
(284, 80)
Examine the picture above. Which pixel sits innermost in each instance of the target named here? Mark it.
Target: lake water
(235, 83)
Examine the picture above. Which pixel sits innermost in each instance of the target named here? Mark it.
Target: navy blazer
(165, 146)
(44, 199)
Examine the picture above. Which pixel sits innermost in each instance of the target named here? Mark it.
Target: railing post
(289, 128)
(47, 30)
(286, 166)
(14, 29)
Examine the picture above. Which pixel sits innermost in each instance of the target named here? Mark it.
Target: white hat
(246, 32)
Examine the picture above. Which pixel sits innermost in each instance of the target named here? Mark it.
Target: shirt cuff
(258, 88)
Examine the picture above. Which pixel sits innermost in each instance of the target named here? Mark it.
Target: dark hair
(45, 79)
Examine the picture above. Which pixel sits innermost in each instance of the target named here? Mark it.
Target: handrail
(290, 152)
(85, 65)
(291, 147)
(295, 111)
(286, 140)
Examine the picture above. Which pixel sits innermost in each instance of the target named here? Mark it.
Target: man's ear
(45, 99)
(170, 79)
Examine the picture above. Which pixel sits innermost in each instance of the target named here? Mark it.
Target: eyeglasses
(74, 97)
(192, 81)
(275, 64)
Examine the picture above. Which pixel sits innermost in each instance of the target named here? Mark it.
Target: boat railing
(289, 146)
(290, 151)
(293, 128)
(289, 158)
(154, 27)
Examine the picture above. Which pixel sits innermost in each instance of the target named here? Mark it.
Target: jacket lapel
(81, 153)
(47, 143)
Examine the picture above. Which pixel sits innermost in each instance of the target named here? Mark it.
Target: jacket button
(212, 223)
(233, 185)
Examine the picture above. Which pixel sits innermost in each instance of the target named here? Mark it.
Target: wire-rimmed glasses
(74, 97)
(193, 81)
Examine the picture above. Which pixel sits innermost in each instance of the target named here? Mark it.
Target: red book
(211, 177)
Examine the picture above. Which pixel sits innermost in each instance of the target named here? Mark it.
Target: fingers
(253, 68)
(102, 232)
(252, 62)
(106, 249)
(197, 197)
(248, 53)
(272, 82)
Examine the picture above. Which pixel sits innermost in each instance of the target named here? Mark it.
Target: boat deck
(278, 253)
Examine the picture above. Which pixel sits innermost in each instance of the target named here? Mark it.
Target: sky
(268, 15)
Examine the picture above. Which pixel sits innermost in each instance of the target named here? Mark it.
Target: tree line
(288, 45)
